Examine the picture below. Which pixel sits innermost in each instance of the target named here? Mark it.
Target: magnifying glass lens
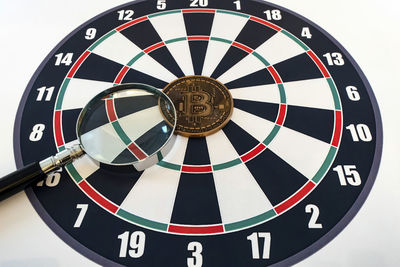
(126, 124)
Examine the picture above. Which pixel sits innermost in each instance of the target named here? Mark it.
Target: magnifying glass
(124, 125)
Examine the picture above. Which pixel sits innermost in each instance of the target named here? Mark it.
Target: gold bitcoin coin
(203, 105)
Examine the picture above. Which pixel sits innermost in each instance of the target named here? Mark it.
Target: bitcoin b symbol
(203, 105)
(195, 104)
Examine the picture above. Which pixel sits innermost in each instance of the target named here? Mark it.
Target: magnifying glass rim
(125, 86)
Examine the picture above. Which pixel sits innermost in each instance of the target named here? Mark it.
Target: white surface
(368, 30)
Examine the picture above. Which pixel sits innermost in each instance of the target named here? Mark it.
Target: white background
(368, 29)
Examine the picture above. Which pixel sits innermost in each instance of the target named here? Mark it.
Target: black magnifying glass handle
(20, 179)
(34, 172)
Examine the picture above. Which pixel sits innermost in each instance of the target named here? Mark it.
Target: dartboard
(282, 178)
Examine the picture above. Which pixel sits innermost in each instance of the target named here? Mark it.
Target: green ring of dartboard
(277, 150)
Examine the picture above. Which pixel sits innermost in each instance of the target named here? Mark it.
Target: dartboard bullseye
(283, 161)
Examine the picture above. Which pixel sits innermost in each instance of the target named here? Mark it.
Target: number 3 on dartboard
(197, 259)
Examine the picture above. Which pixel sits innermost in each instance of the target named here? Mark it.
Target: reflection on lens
(126, 124)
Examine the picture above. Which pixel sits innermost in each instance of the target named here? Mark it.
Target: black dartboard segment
(279, 181)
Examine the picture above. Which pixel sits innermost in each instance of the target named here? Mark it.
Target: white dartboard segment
(169, 26)
(279, 48)
(220, 149)
(86, 166)
(178, 151)
(172, 26)
(244, 67)
(85, 89)
(117, 48)
(147, 65)
(164, 190)
(304, 153)
(314, 93)
(138, 123)
(181, 53)
(225, 26)
(156, 188)
(103, 143)
(120, 49)
(268, 93)
(257, 127)
(215, 52)
(239, 195)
